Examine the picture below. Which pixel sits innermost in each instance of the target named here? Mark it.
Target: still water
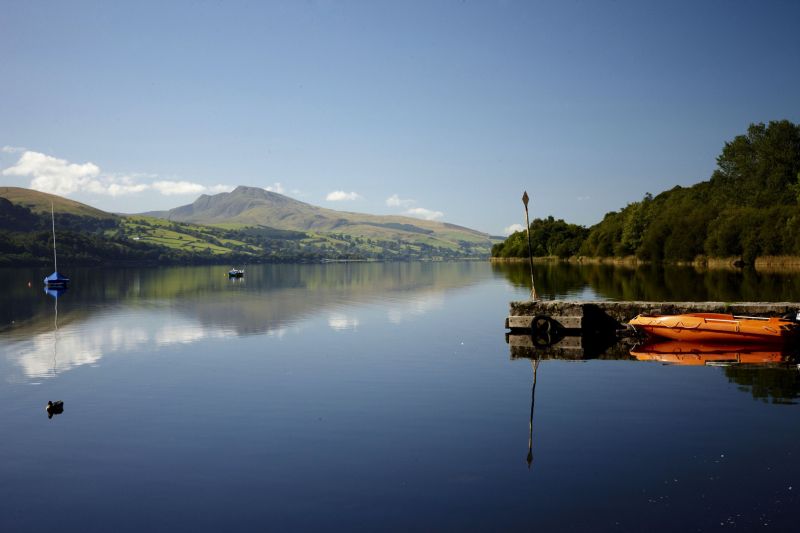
(365, 397)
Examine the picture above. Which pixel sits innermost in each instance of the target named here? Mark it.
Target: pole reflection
(535, 368)
(55, 407)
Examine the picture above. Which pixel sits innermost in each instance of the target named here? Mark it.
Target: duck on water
(54, 408)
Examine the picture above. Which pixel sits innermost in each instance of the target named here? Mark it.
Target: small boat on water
(55, 280)
(716, 327)
(235, 273)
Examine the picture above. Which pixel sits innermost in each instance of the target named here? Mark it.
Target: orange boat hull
(713, 327)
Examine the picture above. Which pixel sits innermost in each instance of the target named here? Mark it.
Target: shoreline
(765, 264)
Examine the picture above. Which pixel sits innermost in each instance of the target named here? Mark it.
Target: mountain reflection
(126, 310)
(273, 297)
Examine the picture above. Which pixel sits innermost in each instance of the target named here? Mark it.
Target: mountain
(252, 206)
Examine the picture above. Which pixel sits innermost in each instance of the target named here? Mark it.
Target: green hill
(748, 208)
(39, 202)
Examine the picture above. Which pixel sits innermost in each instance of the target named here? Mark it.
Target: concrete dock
(580, 330)
(599, 317)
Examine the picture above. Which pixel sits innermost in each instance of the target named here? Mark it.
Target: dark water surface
(367, 397)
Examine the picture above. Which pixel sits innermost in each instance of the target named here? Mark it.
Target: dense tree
(549, 237)
(748, 208)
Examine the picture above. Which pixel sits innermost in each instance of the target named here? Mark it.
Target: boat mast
(53, 218)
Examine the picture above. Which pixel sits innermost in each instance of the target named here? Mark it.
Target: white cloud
(175, 188)
(396, 201)
(116, 189)
(59, 176)
(53, 175)
(275, 187)
(583, 198)
(513, 228)
(340, 196)
(427, 214)
(216, 189)
(116, 185)
(172, 188)
(419, 212)
(12, 149)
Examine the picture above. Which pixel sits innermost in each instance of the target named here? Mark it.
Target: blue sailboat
(55, 280)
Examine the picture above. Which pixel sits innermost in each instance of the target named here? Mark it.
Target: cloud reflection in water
(49, 353)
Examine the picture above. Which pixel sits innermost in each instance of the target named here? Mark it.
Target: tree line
(748, 208)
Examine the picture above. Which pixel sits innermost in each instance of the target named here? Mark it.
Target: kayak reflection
(696, 353)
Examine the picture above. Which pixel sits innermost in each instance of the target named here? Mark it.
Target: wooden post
(530, 250)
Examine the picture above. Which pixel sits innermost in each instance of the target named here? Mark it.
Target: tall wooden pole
(530, 250)
(53, 218)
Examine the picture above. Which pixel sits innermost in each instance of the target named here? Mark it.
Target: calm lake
(363, 397)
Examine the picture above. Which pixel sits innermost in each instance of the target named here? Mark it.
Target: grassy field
(188, 237)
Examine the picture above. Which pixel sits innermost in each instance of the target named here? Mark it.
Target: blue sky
(439, 109)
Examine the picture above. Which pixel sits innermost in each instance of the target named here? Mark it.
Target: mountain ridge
(255, 206)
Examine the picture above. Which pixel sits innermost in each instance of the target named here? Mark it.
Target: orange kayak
(714, 327)
(692, 353)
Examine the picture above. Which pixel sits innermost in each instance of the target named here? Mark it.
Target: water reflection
(341, 322)
(652, 282)
(143, 309)
(768, 373)
(535, 368)
(77, 345)
(694, 353)
(778, 384)
(274, 297)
